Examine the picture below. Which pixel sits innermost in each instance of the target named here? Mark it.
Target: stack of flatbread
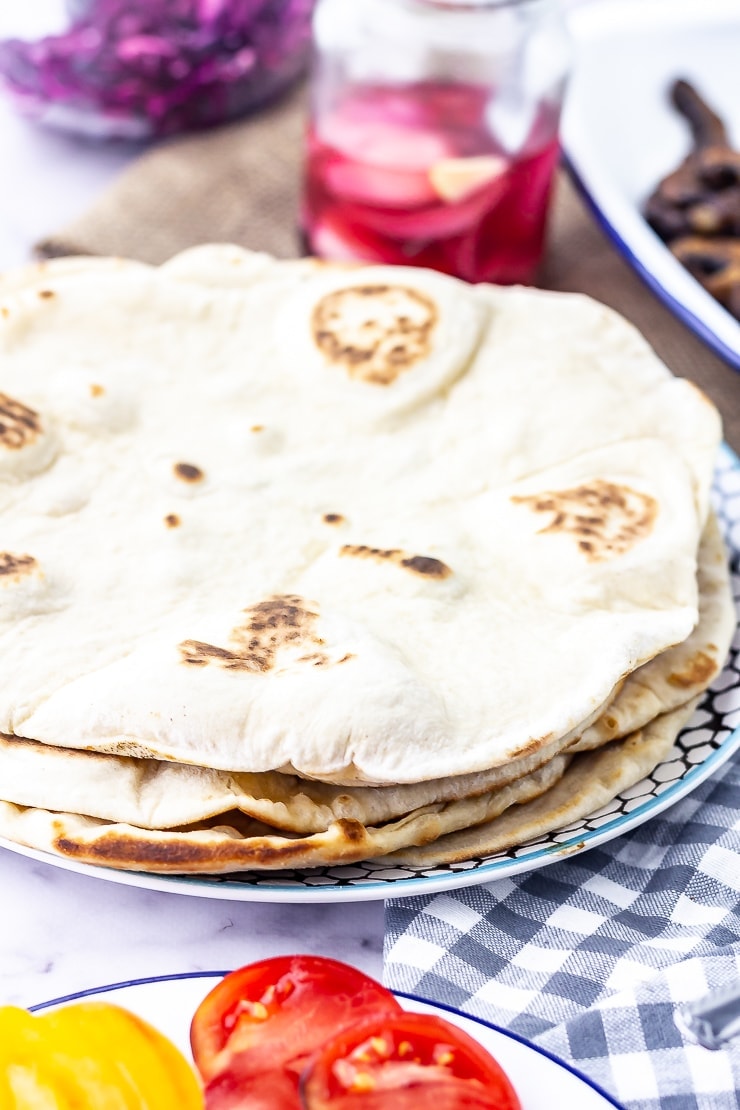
(307, 564)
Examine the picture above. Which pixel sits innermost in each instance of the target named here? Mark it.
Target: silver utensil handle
(713, 1020)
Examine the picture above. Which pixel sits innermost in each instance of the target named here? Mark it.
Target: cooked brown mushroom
(696, 207)
(707, 128)
(715, 263)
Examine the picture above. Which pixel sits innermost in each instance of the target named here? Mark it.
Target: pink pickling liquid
(414, 176)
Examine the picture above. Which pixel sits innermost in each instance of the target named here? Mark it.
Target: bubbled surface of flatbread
(312, 522)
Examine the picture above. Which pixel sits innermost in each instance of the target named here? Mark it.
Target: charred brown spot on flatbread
(604, 518)
(333, 518)
(352, 830)
(279, 622)
(154, 854)
(198, 653)
(16, 566)
(172, 520)
(425, 565)
(46, 294)
(254, 845)
(187, 472)
(315, 657)
(96, 390)
(697, 672)
(374, 331)
(533, 745)
(19, 425)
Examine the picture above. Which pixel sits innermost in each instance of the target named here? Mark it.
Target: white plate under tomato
(541, 1080)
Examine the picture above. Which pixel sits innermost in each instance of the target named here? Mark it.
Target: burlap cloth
(241, 183)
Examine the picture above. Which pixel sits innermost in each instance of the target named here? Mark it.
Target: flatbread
(306, 564)
(312, 521)
(156, 794)
(233, 842)
(592, 780)
(684, 671)
(564, 790)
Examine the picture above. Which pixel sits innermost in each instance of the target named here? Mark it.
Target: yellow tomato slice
(33, 1076)
(91, 1056)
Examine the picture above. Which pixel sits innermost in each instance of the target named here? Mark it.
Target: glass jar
(144, 68)
(433, 133)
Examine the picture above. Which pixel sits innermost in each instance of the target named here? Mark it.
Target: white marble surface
(59, 931)
(62, 932)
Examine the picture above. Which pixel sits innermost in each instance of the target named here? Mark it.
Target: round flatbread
(311, 521)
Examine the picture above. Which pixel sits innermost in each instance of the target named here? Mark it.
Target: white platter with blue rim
(710, 738)
(621, 135)
(541, 1080)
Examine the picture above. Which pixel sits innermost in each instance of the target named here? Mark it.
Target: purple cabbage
(156, 67)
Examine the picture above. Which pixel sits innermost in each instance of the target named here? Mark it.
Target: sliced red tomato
(267, 1019)
(395, 1062)
(268, 1089)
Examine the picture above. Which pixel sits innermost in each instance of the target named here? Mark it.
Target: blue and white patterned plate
(541, 1080)
(710, 738)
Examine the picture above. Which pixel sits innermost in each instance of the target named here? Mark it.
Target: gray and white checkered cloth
(589, 956)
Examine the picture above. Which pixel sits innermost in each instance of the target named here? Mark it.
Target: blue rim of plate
(715, 738)
(90, 992)
(688, 318)
(521, 1040)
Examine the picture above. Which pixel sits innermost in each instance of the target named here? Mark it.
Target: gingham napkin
(589, 957)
